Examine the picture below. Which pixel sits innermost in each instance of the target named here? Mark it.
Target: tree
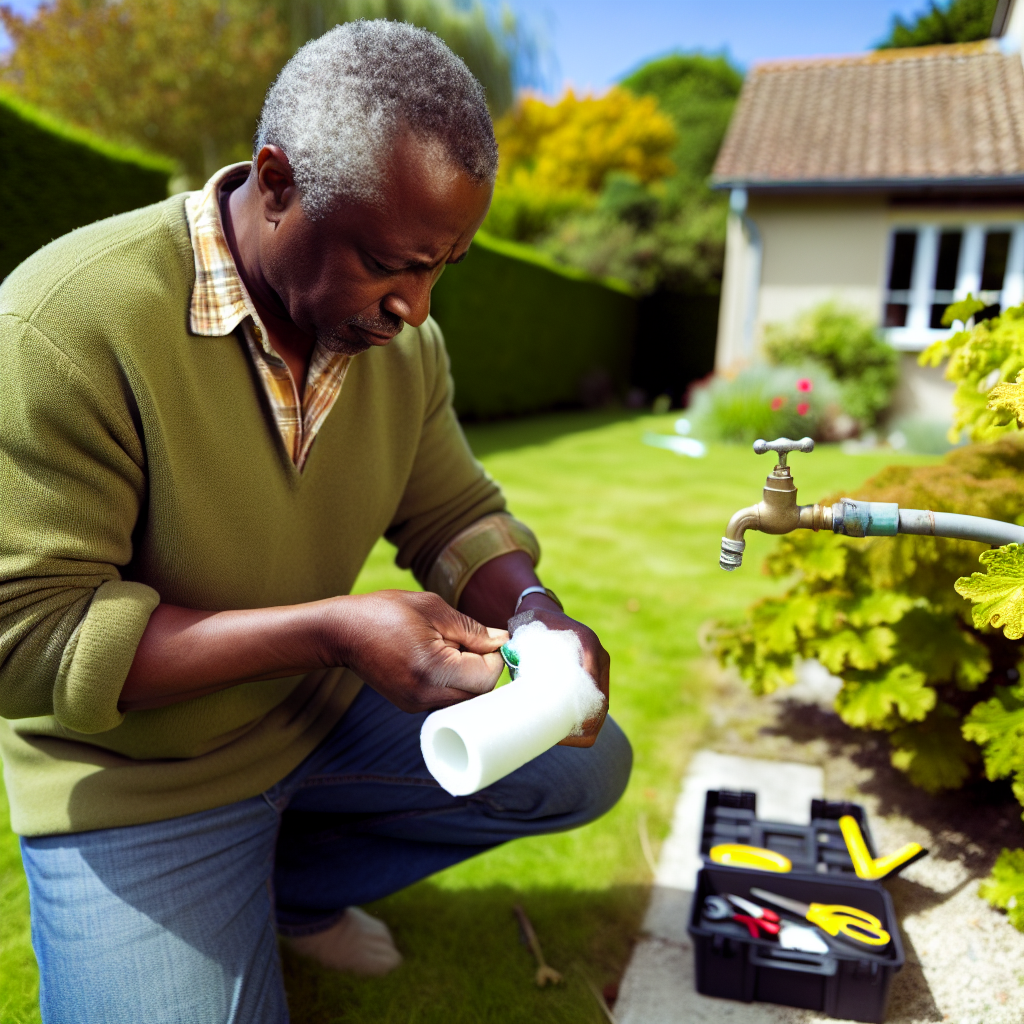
(957, 21)
(183, 77)
(557, 157)
(187, 77)
(698, 93)
(573, 144)
(657, 233)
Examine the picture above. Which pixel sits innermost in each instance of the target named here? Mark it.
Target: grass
(630, 537)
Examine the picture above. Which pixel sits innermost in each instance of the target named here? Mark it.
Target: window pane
(993, 270)
(949, 257)
(895, 314)
(904, 243)
(987, 313)
(938, 309)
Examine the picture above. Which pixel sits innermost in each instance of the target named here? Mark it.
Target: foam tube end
(470, 745)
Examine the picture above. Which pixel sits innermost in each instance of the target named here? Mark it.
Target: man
(210, 410)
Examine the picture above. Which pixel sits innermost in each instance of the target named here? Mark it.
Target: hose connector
(865, 518)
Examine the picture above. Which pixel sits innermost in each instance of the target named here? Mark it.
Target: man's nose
(411, 302)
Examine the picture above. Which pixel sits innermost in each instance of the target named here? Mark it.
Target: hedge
(526, 334)
(57, 178)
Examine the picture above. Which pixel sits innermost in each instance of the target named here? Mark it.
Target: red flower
(777, 403)
(803, 408)
(804, 384)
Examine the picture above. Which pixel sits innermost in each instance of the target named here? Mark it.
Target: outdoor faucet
(777, 512)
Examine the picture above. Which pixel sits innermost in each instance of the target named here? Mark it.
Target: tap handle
(783, 446)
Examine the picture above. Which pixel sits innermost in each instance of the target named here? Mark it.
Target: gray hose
(949, 524)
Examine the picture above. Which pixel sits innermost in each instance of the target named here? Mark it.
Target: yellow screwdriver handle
(736, 855)
(849, 922)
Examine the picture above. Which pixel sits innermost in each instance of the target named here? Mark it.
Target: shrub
(57, 178)
(980, 359)
(1004, 888)
(765, 402)
(850, 347)
(525, 334)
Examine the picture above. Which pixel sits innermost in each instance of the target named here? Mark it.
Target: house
(890, 181)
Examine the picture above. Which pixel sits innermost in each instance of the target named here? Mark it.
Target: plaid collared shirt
(220, 304)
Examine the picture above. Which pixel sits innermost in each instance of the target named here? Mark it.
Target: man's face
(353, 278)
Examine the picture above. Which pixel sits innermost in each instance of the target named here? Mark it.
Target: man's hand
(490, 596)
(412, 648)
(596, 659)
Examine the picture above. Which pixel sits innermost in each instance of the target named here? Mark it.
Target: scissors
(836, 919)
(757, 919)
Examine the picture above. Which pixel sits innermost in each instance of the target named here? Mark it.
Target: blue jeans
(175, 921)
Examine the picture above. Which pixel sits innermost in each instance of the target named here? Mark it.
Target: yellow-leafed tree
(556, 157)
(571, 145)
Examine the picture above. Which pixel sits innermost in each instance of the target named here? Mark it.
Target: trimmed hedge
(526, 334)
(57, 178)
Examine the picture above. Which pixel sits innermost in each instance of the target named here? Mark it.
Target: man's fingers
(476, 673)
(470, 634)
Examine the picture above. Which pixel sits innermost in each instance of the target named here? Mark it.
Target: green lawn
(630, 537)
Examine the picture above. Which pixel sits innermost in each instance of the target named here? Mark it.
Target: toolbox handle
(786, 960)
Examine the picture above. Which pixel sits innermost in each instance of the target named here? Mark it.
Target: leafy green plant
(1004, 888)
(981, 360)
(765, 402)
(850, 347)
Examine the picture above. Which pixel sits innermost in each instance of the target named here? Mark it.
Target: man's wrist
(540, 602)
(536, 589)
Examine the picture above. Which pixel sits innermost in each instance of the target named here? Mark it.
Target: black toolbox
(851, 981)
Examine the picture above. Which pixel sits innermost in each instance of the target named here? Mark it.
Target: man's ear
(275, 180)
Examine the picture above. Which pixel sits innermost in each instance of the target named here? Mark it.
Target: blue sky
(594, 42)
(591, 43)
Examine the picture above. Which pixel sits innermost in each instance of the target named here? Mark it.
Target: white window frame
(918, 334)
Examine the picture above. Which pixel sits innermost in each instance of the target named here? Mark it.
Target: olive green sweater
(139, 464)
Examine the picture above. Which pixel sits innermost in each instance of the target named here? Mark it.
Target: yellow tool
(870, 867)
(836, 919)
(735, 855)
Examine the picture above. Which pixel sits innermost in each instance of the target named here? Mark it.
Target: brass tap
(777, 512)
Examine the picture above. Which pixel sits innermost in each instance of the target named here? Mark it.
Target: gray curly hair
(338, 104)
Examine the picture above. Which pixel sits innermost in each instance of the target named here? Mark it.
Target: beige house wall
(811, 251)
(816, 251)
(787, 255)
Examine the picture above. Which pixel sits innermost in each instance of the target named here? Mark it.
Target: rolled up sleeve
(72, 483)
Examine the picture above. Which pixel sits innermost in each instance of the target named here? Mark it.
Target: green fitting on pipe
(866, 518)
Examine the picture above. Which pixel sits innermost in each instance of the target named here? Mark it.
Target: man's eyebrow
(424, 264)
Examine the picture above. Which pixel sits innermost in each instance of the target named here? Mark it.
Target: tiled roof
(931, 114)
